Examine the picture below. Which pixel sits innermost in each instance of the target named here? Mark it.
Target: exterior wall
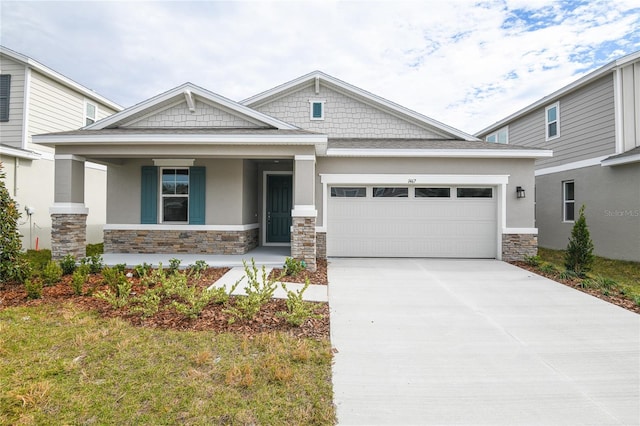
(224, 192)
(38, 194)
(250, 190)
(520, 212)
(613, 216)
(183, 241)
(11, 131)
(345, 117)
(180, 116)
(587, 126)
(518, 246)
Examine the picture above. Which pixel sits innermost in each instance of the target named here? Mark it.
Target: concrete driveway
(470, 342)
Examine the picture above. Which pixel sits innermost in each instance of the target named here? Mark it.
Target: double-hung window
(5, 90)
(552, 121)
(568, 201)
(175, 195)
(90, 113)
(499, 136)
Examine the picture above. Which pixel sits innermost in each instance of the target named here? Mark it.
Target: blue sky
(465, 63)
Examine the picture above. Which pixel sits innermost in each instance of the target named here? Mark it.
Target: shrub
(52, 273)
(120, 267)
(68, 264)
(567, 275)
(293, 266)
(532, 260)
(38, 258)
(258, 292)
(12, 264)
(142, 271)
(579, 255)
(548, 268)
(33, 288)
(198, 268)
(148, 303)
(94, 249)
(119, 288)
(174, 265)
(94, 262)
(78, 279)
(606, 283)
(298, 310)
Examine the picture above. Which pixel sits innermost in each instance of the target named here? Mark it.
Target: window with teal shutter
(149, 195)
(5, 90)
(197, 195)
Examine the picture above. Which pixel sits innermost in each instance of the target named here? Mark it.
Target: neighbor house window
(474, 192)
(500, 136)
(348, 191)
(175, 195)
(552, 115)
(5, 89)
(433, 192)
(317, 109)
(568, 201)
(390, 192)
(90, 113)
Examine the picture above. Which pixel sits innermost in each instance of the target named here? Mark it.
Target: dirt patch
(614, 296)
(319, 277)
(212, 318)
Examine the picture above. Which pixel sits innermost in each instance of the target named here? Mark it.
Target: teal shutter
(197, 195)
(149, 195)
(317, 110)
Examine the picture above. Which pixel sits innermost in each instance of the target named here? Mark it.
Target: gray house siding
(587, 126)
(11, 131)
(613, 217)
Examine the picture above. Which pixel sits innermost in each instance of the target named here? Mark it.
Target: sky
(464, 63)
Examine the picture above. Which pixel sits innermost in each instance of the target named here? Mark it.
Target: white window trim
(500, 130)
(316, 101)
(161, 197)
(565, 201)
(547, 122)
(95, 108)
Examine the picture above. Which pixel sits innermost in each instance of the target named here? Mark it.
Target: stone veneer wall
(68, 235)
(183, 241)
(321, 245)
(517, 246)
(303, 240)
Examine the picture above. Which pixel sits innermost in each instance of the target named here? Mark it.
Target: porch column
(68, 213)
(304, 213)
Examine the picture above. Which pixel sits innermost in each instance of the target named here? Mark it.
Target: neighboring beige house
(593, 127)
(316, 163)
(35, 99)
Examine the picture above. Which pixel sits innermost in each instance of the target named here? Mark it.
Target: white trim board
(622, 160)
(571, 166)
(475, 153)
(169, 227)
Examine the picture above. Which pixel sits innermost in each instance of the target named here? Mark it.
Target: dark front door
(279, 194)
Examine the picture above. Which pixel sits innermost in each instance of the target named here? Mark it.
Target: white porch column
(304, 213)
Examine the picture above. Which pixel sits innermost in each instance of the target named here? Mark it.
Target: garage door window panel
(433, 192)
(348, 192)
(474, 192)
(390, 192)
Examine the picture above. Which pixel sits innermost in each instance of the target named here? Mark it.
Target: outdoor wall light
(520, 192)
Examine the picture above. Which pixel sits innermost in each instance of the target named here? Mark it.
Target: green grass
(625, 273)
(63, 365)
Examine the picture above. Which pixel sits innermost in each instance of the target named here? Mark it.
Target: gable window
(5, 89)
(90, 113)
(568, 201)
(317, 109)
(500, 136)
(552, 119)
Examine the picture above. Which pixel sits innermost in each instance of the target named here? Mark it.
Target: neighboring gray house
(317, 164)
(593, 127)
(36, 99)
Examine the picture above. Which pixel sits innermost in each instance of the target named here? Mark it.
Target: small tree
(13, 266)
(579, 255)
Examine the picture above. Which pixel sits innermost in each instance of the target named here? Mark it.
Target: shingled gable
(190, 97)
(318, 78)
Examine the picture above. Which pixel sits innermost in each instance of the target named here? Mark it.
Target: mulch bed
(613, 297)
(212, 318)
(319, 277)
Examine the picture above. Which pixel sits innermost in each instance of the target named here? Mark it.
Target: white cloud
(467, 64)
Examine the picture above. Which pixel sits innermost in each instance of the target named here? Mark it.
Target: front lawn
(61, 364)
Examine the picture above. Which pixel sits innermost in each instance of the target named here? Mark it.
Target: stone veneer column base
(321, 245)
(303, 240)
(68, 235)
(517, 246)
(183, 241)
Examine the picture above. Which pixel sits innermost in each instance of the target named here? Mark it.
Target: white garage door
(383, 221)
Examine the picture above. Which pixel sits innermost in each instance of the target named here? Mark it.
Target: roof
(316, 77)
(11, 151)
(352, 147)
(588, 78)
(631, 156)
(54, 75)
(186, 92)
(180, 131)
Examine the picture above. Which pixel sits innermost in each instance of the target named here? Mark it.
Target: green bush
(94, 262)
(94, 249)
(148, 303)
(78, 279)
(174, 265)
(38, 258)
(142, 271)
(52, 273)
(257, 293)
(12, 263)
(293, 266)
(119, 288)
(68, 264)
(33, 288)
(579, 255)
(298, 310)
(532, 260)
(198, 268)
